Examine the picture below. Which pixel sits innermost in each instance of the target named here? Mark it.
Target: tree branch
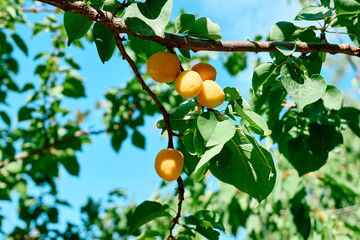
(181, 199)
(77, 134)
(161, 107)
(170, 40)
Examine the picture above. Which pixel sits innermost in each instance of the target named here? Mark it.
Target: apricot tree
(274, 145)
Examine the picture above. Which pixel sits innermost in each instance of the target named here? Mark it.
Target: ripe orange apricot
(163, 67)
(206, 71)
(169, 164)
(211, 95)
(188, 84)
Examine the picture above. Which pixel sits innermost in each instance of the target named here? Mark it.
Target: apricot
(169, 164)
(188, 84)
(211, 95)
(206, 71)
(163, 67)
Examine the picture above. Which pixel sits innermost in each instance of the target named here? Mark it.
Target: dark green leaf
(5, 118)
(347, 6)
(138, 140)
(264, 74)
(146, 212)
(25, 113)
(184, 22)
(235, 63)
(104, 40)
(117, 138)
(76, 26)
(352, 116)
(73, 86)
(301, 214)
(245, 165)
(20, 43)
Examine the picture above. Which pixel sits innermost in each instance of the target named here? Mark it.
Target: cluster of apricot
(164, 67)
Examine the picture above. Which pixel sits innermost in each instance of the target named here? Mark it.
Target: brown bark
(118, 25)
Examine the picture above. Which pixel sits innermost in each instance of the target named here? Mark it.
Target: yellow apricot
(188, 84)
(163, 67)
(206, 71)
(169, 164)
(211, 95)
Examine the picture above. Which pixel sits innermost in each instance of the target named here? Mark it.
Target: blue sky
(132, 169)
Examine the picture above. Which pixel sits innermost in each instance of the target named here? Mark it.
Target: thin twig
(37, 10)
(175, 220)
(161, 107)
(173, 51)
(77, 134)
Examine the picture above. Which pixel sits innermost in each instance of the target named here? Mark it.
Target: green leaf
(138, 140)
(73, 86)
(312, 63)
(352, 116)
(213, 131)
(347, 6)
(286, 51)
(282, 31)
(205, 218)
(185, 52)
(232, 94)
(208, 155)
(253, 121)
(264, 74)
(104, 40)
(333, 98)
(301, 214)
(25, 113)
(117, 138)
(14, 167)
(235, 63)
(245, 165)
(312, 13)
(205, 28)
(71, 164)
(146, 212)
(183, 23)
(308, 152)
(303, 89)
(149, 18)
(20, 43)
(188, 141)
(76, 26)
(5, 118)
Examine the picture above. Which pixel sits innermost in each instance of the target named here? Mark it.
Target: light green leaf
(208, 155)
(303, 89)
(286, 51)
(205, 28)
(332, 98)
(282, 31)
(214, 131)
(149, 18)
(104, 40)
(312, 13)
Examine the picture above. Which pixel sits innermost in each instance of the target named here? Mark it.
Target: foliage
(291, 148)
